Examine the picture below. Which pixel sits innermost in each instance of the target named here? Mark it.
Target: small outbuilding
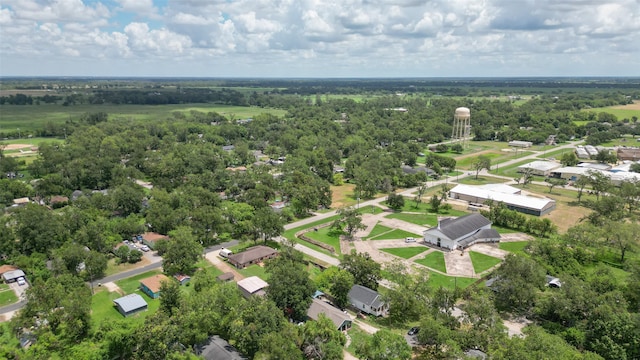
(182, 278)
(228, 276)
(130, 304)
(252, 286)
(367, 300)
(151, 285)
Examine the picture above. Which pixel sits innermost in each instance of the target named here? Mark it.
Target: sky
(320, 38)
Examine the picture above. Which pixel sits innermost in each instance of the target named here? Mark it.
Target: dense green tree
(337, 282)
(350, 221)
(395, 201)
(384, 345)
(481, 162)
(365, 270)
(517, 282)
(321, 339)
(183, 252)
(290, 287)
(170, 296)
(38, 229)
(255, 319)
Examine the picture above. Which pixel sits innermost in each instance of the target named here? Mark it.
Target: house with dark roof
(341, 320)
(459, 233)
(253, 255)
(130, 304)
(228, 276)
(217, 348)
(367, 300)
(151, 285)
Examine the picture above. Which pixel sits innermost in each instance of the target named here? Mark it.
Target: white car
(144, 248)
(21, 281)
(410, 240)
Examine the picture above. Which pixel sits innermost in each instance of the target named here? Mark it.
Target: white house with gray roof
(367, 300)
(456, 233)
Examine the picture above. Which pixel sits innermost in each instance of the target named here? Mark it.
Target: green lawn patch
(370, 209)
(434, 260)
(130, 285)
(327, 236)
(503, 230)
(377, 230)
(7, 297)
(451, 282)
(481, 180)
(418, 219)
(395, 234)
(482, 262)
(516, 247)
(254, 270)
(406, 252)
(102, 308)
(358, 337)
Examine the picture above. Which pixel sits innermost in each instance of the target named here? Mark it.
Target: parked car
(413, 331)
(410, 240)
(144, 248)
(21, 281)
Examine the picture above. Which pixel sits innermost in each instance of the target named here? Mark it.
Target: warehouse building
(510, 196)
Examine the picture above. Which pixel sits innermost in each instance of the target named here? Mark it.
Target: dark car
(414, 330)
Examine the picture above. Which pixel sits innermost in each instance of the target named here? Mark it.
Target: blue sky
(318, 38)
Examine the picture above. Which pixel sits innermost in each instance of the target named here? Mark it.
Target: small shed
(182, 278)
(130, 304)
(151, 285)
(252, 286)
(13, 275)
(228, 276)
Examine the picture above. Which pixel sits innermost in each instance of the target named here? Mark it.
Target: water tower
(461, 126)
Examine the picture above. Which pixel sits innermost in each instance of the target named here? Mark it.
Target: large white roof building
(508, 195)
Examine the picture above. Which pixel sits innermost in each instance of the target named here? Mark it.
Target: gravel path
(222, 265)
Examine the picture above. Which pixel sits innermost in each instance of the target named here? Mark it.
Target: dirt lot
(16, 146)
(634, 106)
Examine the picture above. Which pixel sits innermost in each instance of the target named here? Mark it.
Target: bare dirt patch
(342, 196)
(565, 216)
(16, 146)
(112, 287)
(634, 106)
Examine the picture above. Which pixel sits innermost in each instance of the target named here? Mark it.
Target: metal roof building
(252, 286)
(130, 304)
(522, 203)
(541, 168)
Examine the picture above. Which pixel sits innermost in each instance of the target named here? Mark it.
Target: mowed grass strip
(377, 230)
(395, 234)
(7, 297)
(482, 262)
(327, 236)
(254, 270)
(516, 247)
(434, 260)
(418, 219)
(130, 285)
(450, 282)
(405, 252)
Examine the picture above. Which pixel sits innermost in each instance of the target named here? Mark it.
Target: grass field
(129, 285)
(7, 296)
(481, 180)
(418, 219)
(434, 260)
(102, 308)
(406, 252)
(496, 156)
(31, 117)
(516, 247)
(254, 270)
(291, 234)
(617, 111)
(395, 234)
(377, 230)
(325, 235)
(451, 282)
(482, 262)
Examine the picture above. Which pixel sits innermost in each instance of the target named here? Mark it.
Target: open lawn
(7, 296)
(481, 180)
(434, 260)
(31, 117)
(516, 247)
(482, 262)
(395, 234)
(502, 230)
(113, 267)
(254, 270)
(406, 252)
(556, 154)
(418, 219)
(327, 236)
(342, 195)
(496, 156)
(451, 282)
(102, 308)
(377, 230)
(291, 234)
(621, 112)
(130, 285)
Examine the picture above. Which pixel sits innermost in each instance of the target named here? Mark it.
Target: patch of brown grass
(634, 106)
(342, 196)
(565, 216)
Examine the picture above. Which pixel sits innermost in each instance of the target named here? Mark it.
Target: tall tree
(350, 219)
(384, 345)
(481, 162)
(290, 286)
(365, 270)
(183, 252)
